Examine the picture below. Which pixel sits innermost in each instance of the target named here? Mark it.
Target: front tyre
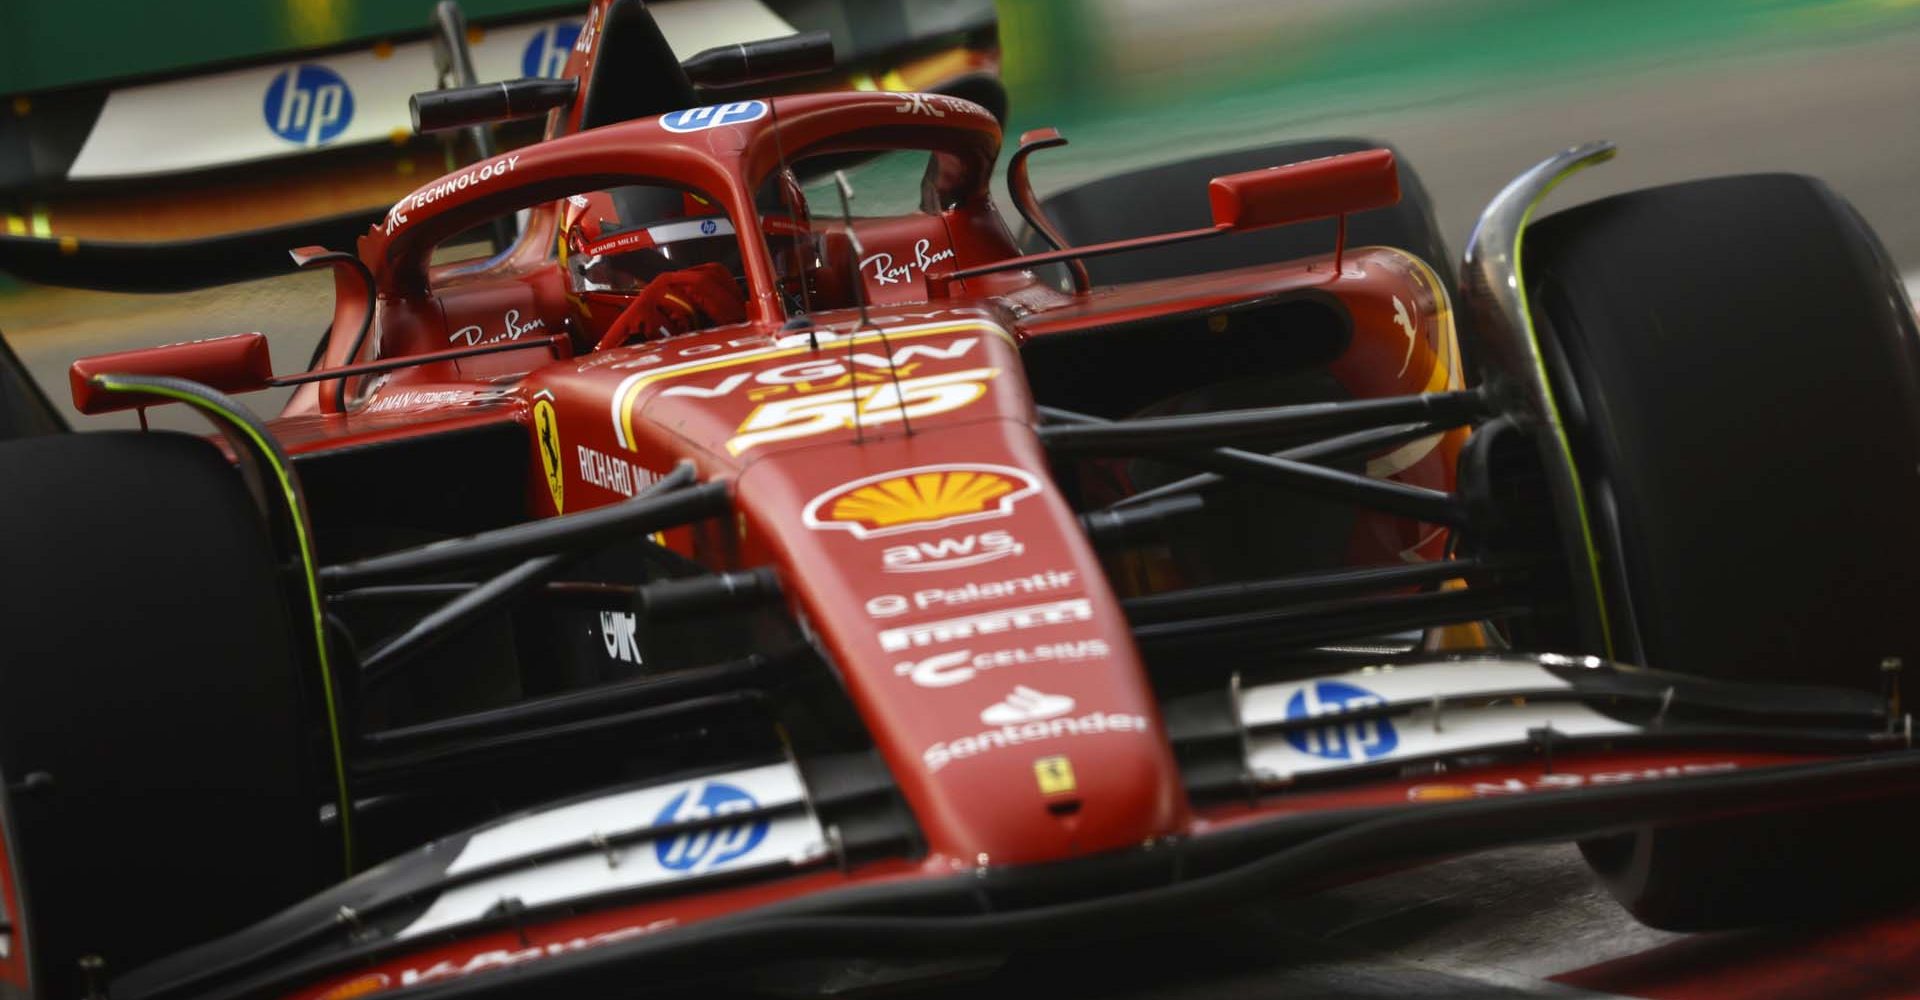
(1739, 372)
(157, 785)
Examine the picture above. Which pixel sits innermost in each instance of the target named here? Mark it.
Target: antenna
(790, 197)
(860, 297)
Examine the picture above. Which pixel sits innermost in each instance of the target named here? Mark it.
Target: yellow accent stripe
(1553, 405)
(630, 392)
(285, 476)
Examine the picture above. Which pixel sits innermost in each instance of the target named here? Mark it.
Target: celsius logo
(708, 848)
(699, 119)
(308, 105)
(547, 50)
(1362, 739)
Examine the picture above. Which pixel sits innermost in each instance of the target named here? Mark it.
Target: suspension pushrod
(1357, 443)
(641, 515)
(575, 591)
(1419, 502)
(648, 691)
(1228, 427)
(1262, 632)
(1296, 588)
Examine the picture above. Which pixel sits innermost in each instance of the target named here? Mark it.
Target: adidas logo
(1026, 705)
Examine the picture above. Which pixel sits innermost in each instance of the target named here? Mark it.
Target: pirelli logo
(899, 640)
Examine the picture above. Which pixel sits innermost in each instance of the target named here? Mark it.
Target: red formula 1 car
(735, 573)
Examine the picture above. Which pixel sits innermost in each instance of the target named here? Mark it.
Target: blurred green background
(1471, 92)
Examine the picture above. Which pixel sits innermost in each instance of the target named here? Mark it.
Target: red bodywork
(884, 462)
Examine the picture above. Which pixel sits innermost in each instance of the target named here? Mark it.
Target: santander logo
(1025, 705)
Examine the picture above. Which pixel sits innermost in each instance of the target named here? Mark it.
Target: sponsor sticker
(510, 329)
(501, 958)
(934, 105)
(834, 372)
(359, 986)
(408, 399)
(500, 167)
(956, 552)
(708, 356)
(1054, 775)
(919, 499)
(546, 430)
(1057, 726)
(1561, 781)
(308, 105)
(618, 634)
(889, 402)
(711, 847)
(1363, 739)
(962, 665)
(615, 475)
(546, 52)
(920, 635)
(881, 268)
(714, 116)
(931, 598)
(1025, 704)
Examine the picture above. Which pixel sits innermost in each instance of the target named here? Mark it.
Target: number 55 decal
(870, 405)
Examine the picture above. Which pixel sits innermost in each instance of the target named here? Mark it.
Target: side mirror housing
(238, 363)
(1300, 192)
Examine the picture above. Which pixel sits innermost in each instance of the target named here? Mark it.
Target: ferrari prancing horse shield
(547, 431)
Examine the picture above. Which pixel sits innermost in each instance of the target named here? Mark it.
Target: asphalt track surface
(1517, 922)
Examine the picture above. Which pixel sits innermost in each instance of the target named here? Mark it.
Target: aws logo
(308, 105)
(547, 51)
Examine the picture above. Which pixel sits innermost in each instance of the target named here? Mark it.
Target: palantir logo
(1361, 739)
(709, 847)
(547, 51)
(308, 105)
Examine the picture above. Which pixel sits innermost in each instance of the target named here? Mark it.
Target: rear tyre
(150, 730)
(1173, 196)
(1740, 375)
(25, 411)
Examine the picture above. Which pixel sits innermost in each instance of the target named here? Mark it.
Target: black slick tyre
(1740, 375)
(157, 786)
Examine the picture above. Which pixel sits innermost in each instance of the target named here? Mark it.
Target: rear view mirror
(1300, 192)
(238, 363)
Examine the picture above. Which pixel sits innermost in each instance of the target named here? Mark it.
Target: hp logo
(708, 227)
(1363, 739)
(547, 52)
(699, 119)
(707, 848)
(308, 105)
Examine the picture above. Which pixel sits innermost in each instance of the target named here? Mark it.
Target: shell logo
(917, 499)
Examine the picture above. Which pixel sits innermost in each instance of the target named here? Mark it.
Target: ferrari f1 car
(767, 559)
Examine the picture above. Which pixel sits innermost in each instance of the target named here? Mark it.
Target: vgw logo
(547, 51)
(709, 847)
(308, 105)
(1361, 739)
